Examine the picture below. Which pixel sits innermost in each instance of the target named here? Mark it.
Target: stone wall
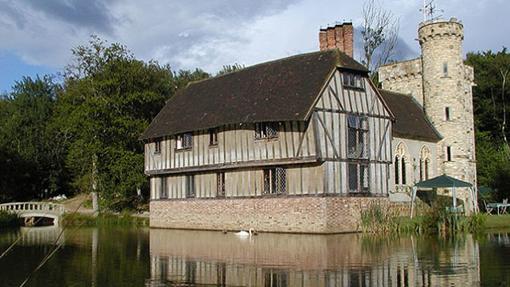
(403, 77)
(294, 214)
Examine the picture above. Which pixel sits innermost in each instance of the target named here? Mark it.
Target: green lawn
(498, 221)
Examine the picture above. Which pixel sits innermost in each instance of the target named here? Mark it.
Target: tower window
(448, 153)
(445, 69)
(447, 113)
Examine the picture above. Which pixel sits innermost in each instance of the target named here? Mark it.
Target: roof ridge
(260, 64)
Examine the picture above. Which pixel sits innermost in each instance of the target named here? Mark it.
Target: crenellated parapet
(403, 77)
(440, 29)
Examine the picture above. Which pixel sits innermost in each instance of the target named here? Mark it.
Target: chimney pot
(340, 36)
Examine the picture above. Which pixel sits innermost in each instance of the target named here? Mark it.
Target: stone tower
(447, 96)
(442, 84)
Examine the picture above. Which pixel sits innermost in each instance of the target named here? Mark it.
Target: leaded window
(357, 136)
(163, 191)
(275, 180)
(220, 184)
(350, 80)
(184, 141)
(266, 130)
(157, 147)
(213, 137)
(190, 186)
(359, 179)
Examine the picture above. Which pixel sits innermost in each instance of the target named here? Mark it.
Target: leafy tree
(30, 157)
(109, 100)
(229, 69)
(490, 108)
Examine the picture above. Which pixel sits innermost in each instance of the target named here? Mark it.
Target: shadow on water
(156, 257)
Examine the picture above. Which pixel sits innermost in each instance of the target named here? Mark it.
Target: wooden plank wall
(241, 183)
(330, 116)
(235, 144)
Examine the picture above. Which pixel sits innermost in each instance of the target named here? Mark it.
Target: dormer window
(266, 130)
(352, 81)
(184, 141)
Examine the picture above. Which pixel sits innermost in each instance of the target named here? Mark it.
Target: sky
(37, 36)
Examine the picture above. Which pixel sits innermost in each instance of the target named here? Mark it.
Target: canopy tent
(444, 181)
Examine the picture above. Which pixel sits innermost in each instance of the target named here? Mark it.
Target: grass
(497, 221)
(104, 219)
(8, 219)
(437, 219)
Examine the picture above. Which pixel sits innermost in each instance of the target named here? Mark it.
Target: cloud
(90, 14)
(210, 34)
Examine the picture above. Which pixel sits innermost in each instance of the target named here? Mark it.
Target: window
(397, 168)
(190, 186)
(184, 141)
(163, 192)
(266, 130)
(424, 163)
(275, 278)
(448, 153)
(350, 80)
(445, 69)
(403, 163)
(358, 177)
(447, 113)
(220, 184)
(357, 137)
(157, 147)
(213, 137)
(275, 180)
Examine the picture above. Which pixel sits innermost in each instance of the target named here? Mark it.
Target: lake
(156, 257)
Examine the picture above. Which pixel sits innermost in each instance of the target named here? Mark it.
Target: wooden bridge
(31, 210)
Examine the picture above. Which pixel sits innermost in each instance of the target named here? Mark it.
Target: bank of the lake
(8, 220)
(104, 219)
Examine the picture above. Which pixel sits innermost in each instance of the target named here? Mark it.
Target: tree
(30, 153)
(379, 35)
(230, 69)
(489, 102)
(109, 100)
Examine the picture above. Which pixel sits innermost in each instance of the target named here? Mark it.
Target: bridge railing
(19, 207)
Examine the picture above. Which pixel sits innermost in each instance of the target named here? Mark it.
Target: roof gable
(281, 90)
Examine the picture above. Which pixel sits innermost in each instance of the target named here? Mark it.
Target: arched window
(396, 170)
(403, 162)
(424, 163)
(400, 164)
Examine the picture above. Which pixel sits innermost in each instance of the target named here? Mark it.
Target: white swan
(244, 234)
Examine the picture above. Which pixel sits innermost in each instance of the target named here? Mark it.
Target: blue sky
(37, 36)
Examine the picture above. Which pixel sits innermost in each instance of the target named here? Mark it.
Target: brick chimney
(339, 37)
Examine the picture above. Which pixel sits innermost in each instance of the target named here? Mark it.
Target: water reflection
(196, 258)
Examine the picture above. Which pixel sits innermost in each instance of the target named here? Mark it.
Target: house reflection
(198, 258)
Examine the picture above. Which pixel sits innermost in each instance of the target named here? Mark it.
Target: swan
(244, 233)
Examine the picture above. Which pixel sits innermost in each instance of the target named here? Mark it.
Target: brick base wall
(266, 214)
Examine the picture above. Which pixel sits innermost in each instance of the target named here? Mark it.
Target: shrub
(8, 219)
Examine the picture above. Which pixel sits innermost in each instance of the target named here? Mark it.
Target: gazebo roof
(443, 181)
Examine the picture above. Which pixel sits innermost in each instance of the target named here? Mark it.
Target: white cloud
(213, 33)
